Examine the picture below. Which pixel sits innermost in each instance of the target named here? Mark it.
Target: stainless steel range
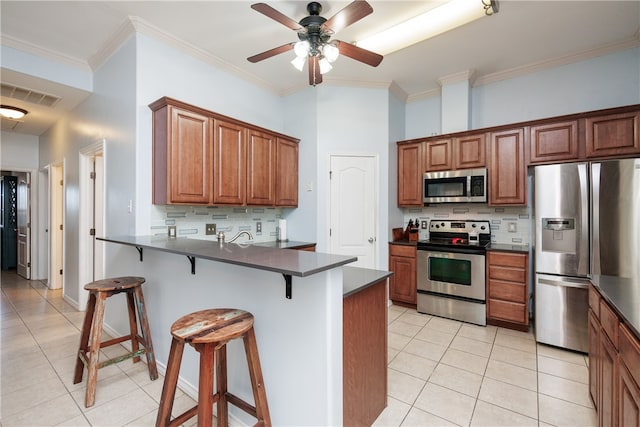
(451, 270)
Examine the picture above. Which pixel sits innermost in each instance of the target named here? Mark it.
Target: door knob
(371, 240)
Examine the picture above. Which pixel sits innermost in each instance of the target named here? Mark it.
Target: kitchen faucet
(240, 233)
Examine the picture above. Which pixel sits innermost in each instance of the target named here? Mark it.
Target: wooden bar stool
(90, 345)
(209, 331)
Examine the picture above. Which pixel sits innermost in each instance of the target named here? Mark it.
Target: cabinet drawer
(507, 259)
(509, 311)
(609, 322)
(594, 301)
(507, 273)
(513, 292)
(630, 352)
(402, 250)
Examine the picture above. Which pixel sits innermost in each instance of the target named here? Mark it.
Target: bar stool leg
(84, 338)
(205, 385)
(133, 325)
(257, 382)
(146, 334)
(170, 383)
(221, 382)
(94, 349)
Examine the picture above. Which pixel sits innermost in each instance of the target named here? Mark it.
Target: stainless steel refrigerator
(587, 222)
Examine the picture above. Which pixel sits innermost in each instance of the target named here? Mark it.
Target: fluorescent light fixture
(13, 113)
(438, 20)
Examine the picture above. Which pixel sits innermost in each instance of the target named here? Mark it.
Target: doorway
(91, 262)
(15, 221)
(354, 207)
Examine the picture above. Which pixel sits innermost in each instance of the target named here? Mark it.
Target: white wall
(18, 151)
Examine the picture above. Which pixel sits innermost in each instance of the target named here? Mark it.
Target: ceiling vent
(29, 95)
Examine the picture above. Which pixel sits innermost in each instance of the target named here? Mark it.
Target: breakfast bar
(296, 298)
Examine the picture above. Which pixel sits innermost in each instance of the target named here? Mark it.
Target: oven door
(451, 273)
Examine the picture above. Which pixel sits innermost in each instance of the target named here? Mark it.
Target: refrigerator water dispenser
(559, 235)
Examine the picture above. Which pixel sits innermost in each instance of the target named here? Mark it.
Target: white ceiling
(523, 36)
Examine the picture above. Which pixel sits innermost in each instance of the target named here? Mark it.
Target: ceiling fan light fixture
(298, 62)
(438, 20)
(331, 52)
(302, 48)
(325, 65)
(13, 113)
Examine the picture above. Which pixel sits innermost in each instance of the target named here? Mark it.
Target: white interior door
(354, 208)
(24, 225)
(98, 218)
(56, 221)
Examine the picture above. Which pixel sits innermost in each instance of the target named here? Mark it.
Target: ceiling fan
(315, 42)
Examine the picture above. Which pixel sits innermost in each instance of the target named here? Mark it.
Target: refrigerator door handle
(595, 218)
(583, 245)
(565, 282)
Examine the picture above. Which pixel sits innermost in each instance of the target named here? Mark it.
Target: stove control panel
(459, 226)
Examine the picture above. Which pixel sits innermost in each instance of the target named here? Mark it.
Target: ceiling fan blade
(315, 77)
(358, 53)
(270, 12)
(347, 16)
(271, 52)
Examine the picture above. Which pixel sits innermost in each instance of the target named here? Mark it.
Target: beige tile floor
(441, 372)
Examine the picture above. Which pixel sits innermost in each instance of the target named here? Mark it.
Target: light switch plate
(512, 228)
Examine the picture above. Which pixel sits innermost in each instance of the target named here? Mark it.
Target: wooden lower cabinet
(365, 355)
(508, 289)
(614, 366)
(402, 285)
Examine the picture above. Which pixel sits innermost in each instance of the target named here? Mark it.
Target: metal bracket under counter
(192, 259)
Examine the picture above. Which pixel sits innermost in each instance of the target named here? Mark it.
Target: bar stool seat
(90, 340)
(209, 331)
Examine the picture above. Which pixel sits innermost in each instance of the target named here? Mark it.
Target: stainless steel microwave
(461, 186)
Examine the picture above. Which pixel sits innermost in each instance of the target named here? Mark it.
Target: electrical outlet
(171, 231)
(423, 225)
(210, 229)
(512, 227)
(258, 227)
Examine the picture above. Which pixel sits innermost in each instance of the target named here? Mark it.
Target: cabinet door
(594, 362)
(628, 400)
(470, 152)
(410, 174)
(507, 172)
(607, 405)
(229, 156)
(438, 155)
(189, 157)
(554, 142)
(402, 284)
(613, 135)
(286, 173)
(261, 163)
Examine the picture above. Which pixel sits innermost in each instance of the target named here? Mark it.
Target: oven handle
(479, 251)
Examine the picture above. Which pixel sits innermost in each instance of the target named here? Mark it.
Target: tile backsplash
(500, 218)
(191, 221)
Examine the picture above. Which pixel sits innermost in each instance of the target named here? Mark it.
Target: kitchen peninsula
(296, 297)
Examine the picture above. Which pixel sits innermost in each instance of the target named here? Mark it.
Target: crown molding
(629, 43)
(36, 50)
(461, 76)
(126, 30)
(424, 95)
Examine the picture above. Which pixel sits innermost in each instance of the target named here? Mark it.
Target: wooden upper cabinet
(286, 173)
(182, 143)
(229, 157)
(554, 142)
(613, 135)
(507, 171)
(410, 174)
(469, 151)
(438, 155)
(261, 166)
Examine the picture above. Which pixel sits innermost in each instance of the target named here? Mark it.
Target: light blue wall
(18, 151)
(603, 82)
(423, 118)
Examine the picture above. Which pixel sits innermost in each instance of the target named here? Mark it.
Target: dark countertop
(288, 244)
(263, 257)
(356, 279)
(623, 295)
(505, 247)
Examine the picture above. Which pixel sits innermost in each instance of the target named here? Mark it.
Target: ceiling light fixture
(13, 113)
(450, 15)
